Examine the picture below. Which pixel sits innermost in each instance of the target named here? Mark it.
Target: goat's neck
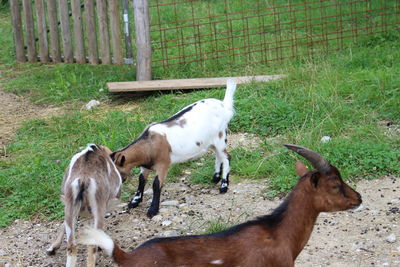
(298, 222)
(136, 155)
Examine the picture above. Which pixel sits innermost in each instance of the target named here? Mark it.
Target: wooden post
(143, 42)
(78, 33)
(53, 25)
(91, 32)
(17, 30)
(127, 33)
(116, 32)
(30, 31)
(42, 31)
(103, 31)
(66, 32)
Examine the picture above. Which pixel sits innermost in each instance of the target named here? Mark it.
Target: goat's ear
(315, 179)
(107, 150)
(301, 169)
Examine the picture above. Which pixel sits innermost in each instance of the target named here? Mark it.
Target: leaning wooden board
(182, 84)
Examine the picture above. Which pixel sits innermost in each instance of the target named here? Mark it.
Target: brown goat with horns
(273, 240)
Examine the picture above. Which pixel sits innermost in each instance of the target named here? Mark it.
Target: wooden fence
(71, 31)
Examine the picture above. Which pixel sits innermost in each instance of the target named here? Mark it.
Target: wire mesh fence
(208, 33)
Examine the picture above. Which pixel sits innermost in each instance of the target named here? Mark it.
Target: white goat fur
(185, 136)
(203, 124)
(91, 182)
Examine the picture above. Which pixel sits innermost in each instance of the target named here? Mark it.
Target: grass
(343, 95)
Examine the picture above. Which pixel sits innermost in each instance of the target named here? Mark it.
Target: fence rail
(70, 31)
(193, 33)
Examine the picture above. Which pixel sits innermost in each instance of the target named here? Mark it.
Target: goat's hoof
(223, 190)
(50, 251)
(216, 178)
(132, 205)
(151, 213)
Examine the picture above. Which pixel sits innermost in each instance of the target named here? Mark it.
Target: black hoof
(223, 190)
(51, 252)
(151, 213)
(216, 178)
(132, 205)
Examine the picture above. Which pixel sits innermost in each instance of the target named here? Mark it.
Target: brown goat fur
(91, 183)
(272, 240)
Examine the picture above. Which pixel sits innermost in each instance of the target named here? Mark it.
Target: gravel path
(352, 238)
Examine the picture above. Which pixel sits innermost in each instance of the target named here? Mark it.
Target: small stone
(170, 233)
(163, 210)
(3, 252)
(157, 218)
(391, 238)
(166, 223)
(170, 203)
(148, 191)
(92, 104)
(398, 248)
(122, 205)
(325, 139)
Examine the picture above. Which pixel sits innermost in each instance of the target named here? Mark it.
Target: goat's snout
(357, 202)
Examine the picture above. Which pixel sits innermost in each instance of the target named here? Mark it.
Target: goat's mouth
(356, 207)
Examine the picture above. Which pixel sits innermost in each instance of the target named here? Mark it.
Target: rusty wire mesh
(215, 32)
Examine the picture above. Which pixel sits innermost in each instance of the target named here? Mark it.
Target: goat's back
(92, 165)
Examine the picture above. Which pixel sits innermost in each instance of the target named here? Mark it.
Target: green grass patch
(343, 95)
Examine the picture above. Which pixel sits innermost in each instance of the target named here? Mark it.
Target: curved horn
(316, 160)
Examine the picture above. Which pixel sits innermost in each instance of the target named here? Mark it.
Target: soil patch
(15, 110)
(351, 238)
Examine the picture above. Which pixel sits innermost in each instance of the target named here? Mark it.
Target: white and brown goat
(273, 240)
(185, 136)
(91, 183)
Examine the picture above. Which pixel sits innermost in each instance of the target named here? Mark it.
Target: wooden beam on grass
(182, 84)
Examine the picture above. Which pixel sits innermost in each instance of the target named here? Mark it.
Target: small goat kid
(273, 240)
(185, 136)
(91, 182)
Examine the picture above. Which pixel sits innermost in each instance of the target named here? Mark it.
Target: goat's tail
(230, 91)
(96, 237)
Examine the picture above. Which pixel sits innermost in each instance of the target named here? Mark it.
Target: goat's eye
(336, 187)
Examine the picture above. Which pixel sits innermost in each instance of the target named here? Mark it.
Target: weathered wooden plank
(66, 32)
(30, 30)
(91, 32)
(17, 30)
(103, 31)
(79, 51)
(127, 33)
(181, 84)
(53, 25)
(143, 41)
(42, 31)
(115, 32)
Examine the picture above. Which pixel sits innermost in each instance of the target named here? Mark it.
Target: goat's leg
(225, 158)
(57, 243)
(98, 209)
(71, 212)
(218, 169)
(138, 197)
(157, 185)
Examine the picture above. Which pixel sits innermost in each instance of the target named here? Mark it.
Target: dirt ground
(369, 236)
(351, 238)
(14, 110)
